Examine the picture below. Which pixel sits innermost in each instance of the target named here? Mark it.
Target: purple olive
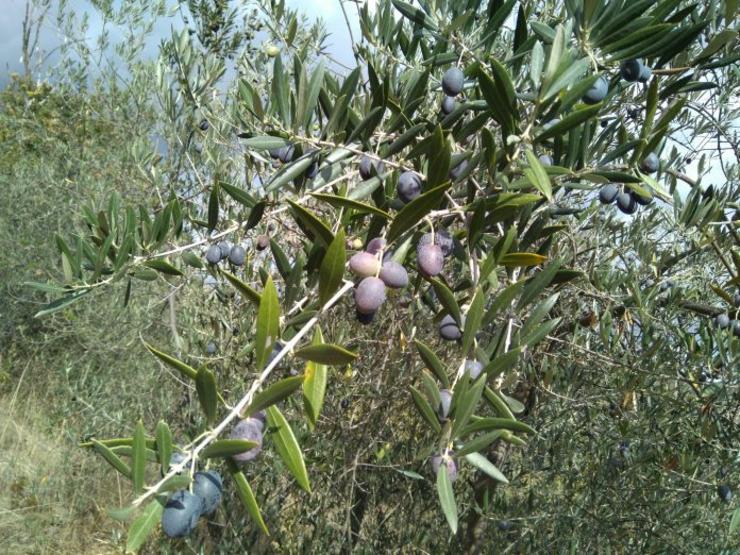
(364, 264)
(430, 260)
(369, 295)
(394, 274)
(249, 429)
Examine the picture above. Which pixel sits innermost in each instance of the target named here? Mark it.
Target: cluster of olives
(627, 200)
(183, 508)
(287, 154)
(723, 322)
(635, 70)
(216, 253)
(452, 84)
(630, 70)
(376, 276)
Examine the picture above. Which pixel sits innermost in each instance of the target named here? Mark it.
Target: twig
(244, 401)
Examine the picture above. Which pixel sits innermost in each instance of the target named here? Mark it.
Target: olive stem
(246, 399)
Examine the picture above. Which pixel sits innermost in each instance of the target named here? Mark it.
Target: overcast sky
(12, 13)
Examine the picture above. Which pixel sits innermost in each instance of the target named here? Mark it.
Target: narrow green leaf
(138, 458)
(112, 459)
(227, 448)
(312, 223)
(433, 363)
(478, 444)
(274, 394)
(415, 15)
(205, 386)
(314, 384)
(213, 208)
(265, 142)
(438, 165)
(246, 495)
(490, 423)
(144, 524)
(178, 365)
(345, 202)
(248, 293)
(239, 195)
(331, 271)
(414, 211)
(538, 176)
(287, 446)
(570, 121)
(326, 353)
(447, 497)
(61, 304)
(522, 259)
(163, 267)
(473, 320)
(447, 298)
(164, 445)
(289, 172)
(483, 464)
(268, 324)
(425, 409)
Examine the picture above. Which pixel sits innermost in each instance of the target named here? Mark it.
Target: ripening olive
(608, 193)
(364, 264)
(430, 260)
(453, 81)
(369, 295)
(213, 254)
(394, 274)
(448, 329)
(408, 187)
(597, 92)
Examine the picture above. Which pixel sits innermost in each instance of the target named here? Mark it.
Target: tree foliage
(605, 413)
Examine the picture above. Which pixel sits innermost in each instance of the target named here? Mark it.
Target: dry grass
(53, 494)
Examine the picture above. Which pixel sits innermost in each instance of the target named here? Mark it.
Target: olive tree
(497, 194)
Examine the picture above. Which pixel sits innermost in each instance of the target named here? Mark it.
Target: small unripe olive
(367, 165)
(208, 486)
(394, 274)
(236, 255)
(448, 105)
(439, 460)
(597, 92)
(546, 160)
(430, 260)
(626, 203)
(722, 321)
(650, 163)
(249, 429)
(408, 187)
(445, 401)
(181, 514)
(608, 193)
(369, 295)
(453, 81)
(213, 254)
(448, 329)
(631, 70)
(263, 241)
(375, 245)
(474, 368)
(364, 264)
